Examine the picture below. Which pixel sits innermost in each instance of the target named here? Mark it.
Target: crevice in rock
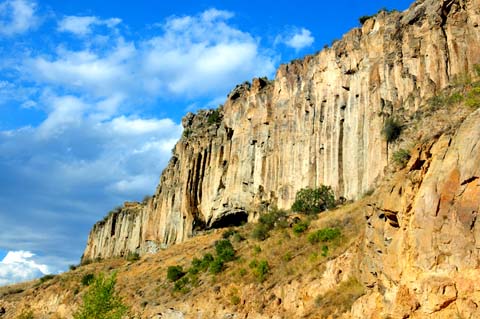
(340, 159)
(469, 180)
(114, 223)
(446, 7)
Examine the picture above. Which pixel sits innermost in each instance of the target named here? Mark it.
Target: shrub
(215, 117)
(187, 132)
(72, 267)
(181, 285)
(260, 232)
(235, 300)
(229, 233)
(477, 69)
(174, 273)
(87, 279)
(216, 266)
(313, 200)
(268, 221)
(261, 270)
(324, 235)
(257, 249)
(46, 278)
(101, 301)
(401, 157)
(340, 298)
(473, 98)
(287, 257)
(392, 130)
(236, 238)
(300, 227)
(131, 256)
(363, 19)
(224, 250)
(26, 314)
(207, 259)
(242, 272)
(324, 250)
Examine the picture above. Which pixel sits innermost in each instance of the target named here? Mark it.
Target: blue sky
(92, 94)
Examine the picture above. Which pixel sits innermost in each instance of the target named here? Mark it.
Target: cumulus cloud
(93, 146)
(201, 54)
(192, 56)
(18, 266)
(297, 39)
(17, 16)
(82, 25)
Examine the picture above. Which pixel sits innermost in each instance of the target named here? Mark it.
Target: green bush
(26, 314)
(477, 69)
(131, 256)
(260, 232)
(224, 250)
(473, 98)
(46, 278)
(206, 261)
(216, 266)
(314, 200)
(392, 129)
(324, 235)
(261, 270)
(268, 221)
(401, 157)
(229, 233)
(101, 301)
(215, 117)
(324, 250)
(235, 300)
(87, 279)
(174, 273)
(300, 227)
(181, 285)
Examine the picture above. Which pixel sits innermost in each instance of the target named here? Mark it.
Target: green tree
(314, 200)
(101, 301)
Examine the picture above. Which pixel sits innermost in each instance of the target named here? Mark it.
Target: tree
(314, 200)
(101, 301)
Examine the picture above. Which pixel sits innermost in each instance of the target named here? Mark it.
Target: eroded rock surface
(318, 122)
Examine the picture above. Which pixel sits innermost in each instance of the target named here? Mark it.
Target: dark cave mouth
(230, 219)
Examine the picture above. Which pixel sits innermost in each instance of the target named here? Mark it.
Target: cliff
(318, 122)
(410, 250)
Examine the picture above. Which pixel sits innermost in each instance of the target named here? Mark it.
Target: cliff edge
(318, 122)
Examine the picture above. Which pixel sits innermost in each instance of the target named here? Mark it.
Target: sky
(92, 94)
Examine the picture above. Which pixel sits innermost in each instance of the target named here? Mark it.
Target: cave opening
(230, 219)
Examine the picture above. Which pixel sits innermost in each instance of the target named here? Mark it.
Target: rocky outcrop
(422, 245)
(318, 122)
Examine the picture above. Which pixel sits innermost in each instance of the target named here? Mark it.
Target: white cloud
(297, 39)
(86, 71)
(93, 147)
(193, 56)
(18, 266)
(17, 16)
(82, 26)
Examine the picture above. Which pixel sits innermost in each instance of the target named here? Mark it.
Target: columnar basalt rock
(318, 122)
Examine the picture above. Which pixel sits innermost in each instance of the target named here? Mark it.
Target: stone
(304, 128)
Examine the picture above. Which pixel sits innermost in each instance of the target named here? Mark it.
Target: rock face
(318, 122)
(422, 245)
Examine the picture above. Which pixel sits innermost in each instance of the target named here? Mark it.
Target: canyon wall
(318, 122)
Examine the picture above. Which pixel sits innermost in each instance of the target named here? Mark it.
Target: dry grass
(144, 285)
(340, 300)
